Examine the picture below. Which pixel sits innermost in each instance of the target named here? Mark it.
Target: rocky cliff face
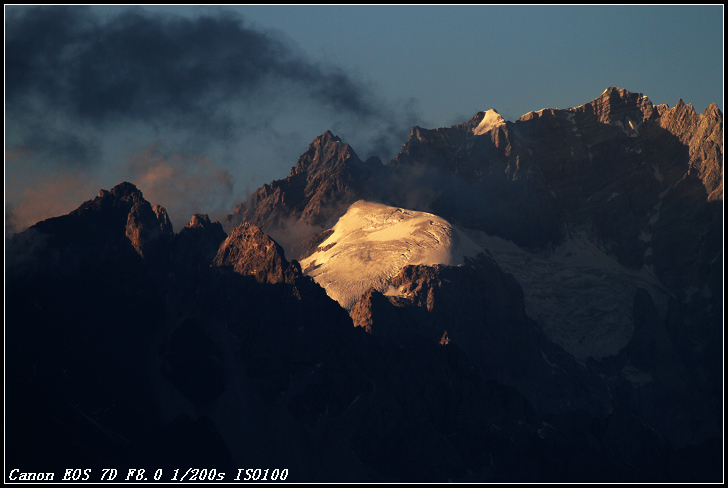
(328, 177)
(250, 252)
(478, 181)
(618, 164)
(702, 134)
(603, 167)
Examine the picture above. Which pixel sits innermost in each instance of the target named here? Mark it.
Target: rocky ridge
(120, 359)
(251, 252)
(615, 194)
(132, 343)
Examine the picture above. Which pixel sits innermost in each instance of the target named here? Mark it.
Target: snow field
(372, 242)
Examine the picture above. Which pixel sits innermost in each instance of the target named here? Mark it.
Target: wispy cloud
(88, 93)
(50, 195)
(173, 72)
(183, 184)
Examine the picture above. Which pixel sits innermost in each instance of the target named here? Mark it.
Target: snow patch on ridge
(491, 119)
(372, 242)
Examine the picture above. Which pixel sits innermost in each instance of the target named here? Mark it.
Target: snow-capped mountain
(529, 300)
(589, 208)
(372, 242)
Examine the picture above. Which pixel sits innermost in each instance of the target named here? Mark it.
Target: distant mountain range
(538, 300)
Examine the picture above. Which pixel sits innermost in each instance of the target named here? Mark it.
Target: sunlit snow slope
(372, 242)
(491, 119)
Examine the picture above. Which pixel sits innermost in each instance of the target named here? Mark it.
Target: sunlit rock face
(372, 242)
(251, 252)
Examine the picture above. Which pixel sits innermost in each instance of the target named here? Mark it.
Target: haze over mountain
(529, 300)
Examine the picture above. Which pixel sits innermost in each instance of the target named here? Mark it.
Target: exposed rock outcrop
(164, 223)
(250, 252)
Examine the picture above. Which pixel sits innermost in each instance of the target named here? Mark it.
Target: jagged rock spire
(251, 252)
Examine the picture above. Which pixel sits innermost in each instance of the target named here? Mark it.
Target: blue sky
(198, 106)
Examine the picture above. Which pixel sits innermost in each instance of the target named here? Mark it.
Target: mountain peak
(324, 150)
(252, 252)
(199, 220)
(490, 120)
(125, 189)
(327, 137)
(713, 111)
(164, 223)
(614, 91)
(617, 106)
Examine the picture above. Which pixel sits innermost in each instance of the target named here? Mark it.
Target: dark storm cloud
(169, 72)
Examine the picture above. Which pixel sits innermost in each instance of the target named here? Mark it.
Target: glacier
(372, 242)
